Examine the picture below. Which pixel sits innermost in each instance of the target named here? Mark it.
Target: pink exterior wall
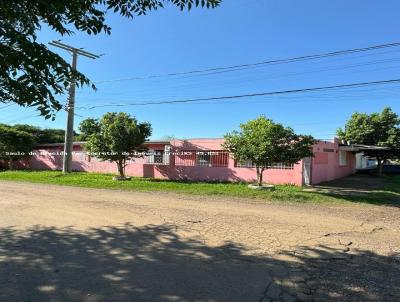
(325, 163)
(229, 173)
(325, 166)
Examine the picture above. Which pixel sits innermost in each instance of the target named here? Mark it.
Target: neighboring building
(364, 162)
(204, 159)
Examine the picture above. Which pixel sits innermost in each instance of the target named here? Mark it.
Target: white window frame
(342, 158)
(161, 156)
(150, 158)
(167, 154)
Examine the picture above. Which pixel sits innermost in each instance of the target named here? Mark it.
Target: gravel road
(74, 244)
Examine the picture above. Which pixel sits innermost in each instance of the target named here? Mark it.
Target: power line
(332, 97)
(24, 118)
(197, 91)
(268, 62)
(198, 83)
(344, 95)
(281, 92)
(127, 96)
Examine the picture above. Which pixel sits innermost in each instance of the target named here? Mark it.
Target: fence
(250, 164)
(214, 158)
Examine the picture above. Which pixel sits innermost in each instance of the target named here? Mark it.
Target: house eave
(361, 148)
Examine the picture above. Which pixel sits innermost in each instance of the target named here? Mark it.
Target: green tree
(15, 145)
(264, 143)
(378, 129)
(31, 74)
(88, 127)
(49, 136)
(119, 138)
(42, 136)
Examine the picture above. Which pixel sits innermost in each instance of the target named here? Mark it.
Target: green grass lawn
(388, 194)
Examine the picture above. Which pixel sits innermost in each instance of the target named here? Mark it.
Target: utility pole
(69, 131)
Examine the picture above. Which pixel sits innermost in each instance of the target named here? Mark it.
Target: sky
(237, 32)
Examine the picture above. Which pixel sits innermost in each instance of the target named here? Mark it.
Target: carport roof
(360, 148)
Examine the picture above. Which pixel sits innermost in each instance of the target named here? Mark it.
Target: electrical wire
(24, 118)
(268, 62)
(197, 85)
(249, 95)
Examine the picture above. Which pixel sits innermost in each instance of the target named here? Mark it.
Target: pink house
(204, 160)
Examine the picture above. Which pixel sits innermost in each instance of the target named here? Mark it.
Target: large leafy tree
(15, 144)
(31, 74)
(116, 137)
(88, 127)
(265, 143)
(42, 136)
(378, 129)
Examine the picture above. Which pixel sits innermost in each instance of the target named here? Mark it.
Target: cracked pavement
(76, 244)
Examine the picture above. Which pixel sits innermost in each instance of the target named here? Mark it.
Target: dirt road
(74, 244)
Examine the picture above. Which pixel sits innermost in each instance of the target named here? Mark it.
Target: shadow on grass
(359, 188)
(188, 181)
(154, 263)
(363, 189)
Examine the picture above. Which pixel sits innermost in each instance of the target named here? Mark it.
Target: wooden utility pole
(69, 131)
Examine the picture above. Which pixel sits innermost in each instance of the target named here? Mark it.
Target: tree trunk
(380, 166)
(259, 175)
(10, 163)
(121, 168)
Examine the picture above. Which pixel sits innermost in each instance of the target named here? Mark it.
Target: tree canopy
(33, 75)
(378, 129)
(42, 136)
(265, 143)
(117, 138)
(88, 127)
(15, 144)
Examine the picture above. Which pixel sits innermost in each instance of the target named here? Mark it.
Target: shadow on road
(153, 263)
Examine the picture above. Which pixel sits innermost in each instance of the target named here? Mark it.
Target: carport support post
(380, 165)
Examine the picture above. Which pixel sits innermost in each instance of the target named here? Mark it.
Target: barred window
(203, 159)
(158, 157)
(250, 164)
(209, 158)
